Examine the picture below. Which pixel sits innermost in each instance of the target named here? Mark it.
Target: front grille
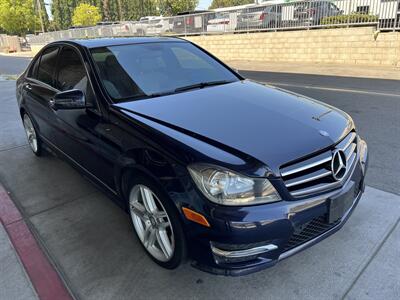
(308, 231)
(314, 175)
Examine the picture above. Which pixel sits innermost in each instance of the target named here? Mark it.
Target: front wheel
(32, 136)
(156, 224)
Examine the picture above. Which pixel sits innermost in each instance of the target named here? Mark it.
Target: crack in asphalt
(14, 147)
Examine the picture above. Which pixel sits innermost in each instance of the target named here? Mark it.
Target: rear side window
(47, 65)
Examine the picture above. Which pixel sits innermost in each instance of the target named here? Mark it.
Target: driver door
(81, 133)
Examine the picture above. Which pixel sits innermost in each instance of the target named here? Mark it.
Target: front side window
(47, 65)
(71, 74)
(140, 70)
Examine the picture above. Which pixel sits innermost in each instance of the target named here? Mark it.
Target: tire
(156, 223)
(31, 134)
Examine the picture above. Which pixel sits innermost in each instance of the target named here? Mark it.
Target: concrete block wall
(350, 46)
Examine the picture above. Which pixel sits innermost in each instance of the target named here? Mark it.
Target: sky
(204, 4)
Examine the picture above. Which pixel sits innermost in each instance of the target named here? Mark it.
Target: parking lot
(90, 241)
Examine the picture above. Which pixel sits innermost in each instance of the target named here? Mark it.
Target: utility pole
(39, 6)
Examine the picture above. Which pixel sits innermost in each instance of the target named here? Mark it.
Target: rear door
(39, 90)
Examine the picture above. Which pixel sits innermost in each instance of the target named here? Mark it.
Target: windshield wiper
(159, 94)
(187, 88)
(201, 85)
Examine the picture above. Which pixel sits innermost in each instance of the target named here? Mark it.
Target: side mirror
(235, 70)
(72, 99)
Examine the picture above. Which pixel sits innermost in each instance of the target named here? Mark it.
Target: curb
(45, 279)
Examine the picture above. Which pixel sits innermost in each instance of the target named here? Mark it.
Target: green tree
(18, 16)
(228, 3)
(86, 15)
(43, 12)
(172, 7)
(119, 10)
(62, 11)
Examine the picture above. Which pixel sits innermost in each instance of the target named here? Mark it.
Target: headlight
(229, 188)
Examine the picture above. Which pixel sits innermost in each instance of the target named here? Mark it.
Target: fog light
(232, 256)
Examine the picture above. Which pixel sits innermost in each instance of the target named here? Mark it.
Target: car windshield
(155, 69)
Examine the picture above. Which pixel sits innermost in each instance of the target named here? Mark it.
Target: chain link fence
(270, 16)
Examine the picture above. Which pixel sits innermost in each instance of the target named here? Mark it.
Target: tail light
(262, 16)
(312, 11)
(189, 21)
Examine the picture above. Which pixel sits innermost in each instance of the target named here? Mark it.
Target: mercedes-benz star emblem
(338, 165)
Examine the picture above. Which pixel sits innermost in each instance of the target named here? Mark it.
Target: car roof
(105, 42)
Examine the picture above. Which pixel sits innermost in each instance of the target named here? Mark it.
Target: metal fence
(270, 16)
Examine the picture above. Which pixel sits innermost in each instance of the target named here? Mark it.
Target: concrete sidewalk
(24, 265)
(14, 282)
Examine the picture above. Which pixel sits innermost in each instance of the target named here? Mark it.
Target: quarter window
(34, 69)
(47, 65)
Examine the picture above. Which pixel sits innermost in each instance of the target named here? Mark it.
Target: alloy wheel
(151, 223)
(30, 133)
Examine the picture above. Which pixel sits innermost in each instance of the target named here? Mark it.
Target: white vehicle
(122, 28)
(223, 21)
(152, 25)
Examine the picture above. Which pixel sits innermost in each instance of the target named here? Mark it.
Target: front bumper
(248, 239)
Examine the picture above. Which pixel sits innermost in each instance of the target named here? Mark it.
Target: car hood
(271, 125)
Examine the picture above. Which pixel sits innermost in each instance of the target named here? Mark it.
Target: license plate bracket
(338, 206)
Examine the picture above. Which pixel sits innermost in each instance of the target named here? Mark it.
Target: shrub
(351, 18)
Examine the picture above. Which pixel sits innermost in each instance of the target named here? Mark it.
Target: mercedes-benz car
(233, 174)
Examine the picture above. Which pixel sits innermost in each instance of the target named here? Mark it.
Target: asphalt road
(13, 65)
(374, 105)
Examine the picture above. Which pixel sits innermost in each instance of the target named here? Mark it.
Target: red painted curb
(44, 277)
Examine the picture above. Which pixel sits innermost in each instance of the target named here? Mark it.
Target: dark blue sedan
(231, 173)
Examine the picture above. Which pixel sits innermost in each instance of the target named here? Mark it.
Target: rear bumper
(249, 239)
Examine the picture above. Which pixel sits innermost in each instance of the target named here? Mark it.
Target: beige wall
(337, 46)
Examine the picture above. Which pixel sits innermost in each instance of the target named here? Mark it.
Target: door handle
(28, 86)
